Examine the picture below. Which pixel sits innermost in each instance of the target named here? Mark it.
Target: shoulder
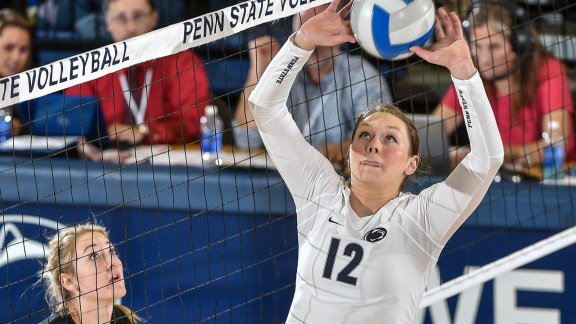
(119, 316)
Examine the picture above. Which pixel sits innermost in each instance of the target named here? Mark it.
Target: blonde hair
(60, 260)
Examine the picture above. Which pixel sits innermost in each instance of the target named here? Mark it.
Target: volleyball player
(366, 248)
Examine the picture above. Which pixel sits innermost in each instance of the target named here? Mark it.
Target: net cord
(492, 270)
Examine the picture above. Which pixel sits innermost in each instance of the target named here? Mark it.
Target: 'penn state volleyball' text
(240, 14)
(66, 70)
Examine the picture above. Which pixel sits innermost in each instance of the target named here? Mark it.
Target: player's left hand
(450, 49)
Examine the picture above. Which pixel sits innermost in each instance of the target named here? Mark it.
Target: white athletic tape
(175, 38)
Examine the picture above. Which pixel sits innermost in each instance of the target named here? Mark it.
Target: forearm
(243, 115)
(274, 86)
(529, 153)
(457, 197)
(486, 148)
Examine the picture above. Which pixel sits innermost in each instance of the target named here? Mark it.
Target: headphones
(521, 37)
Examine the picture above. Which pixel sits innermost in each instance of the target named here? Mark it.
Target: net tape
(169, 40)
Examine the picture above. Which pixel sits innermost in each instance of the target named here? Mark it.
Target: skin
(494, 56)
(379, 158)
(122, 23)
(129, 10)
(14, 50)
(380, 150)
(263, 49)
(96, 280)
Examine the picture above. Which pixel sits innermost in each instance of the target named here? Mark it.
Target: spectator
(321, 96)
(527, 87)
(169, 109)
(90, 20)
(15, 49)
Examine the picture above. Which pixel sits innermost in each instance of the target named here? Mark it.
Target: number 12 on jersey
(353, 250)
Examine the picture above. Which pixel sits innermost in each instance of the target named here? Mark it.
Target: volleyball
(386, 29)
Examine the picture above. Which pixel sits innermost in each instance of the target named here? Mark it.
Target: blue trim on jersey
(381, 35)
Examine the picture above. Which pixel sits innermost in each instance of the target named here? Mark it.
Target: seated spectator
(331, 82)
(90, 22)
(527, 87)
(85, 18)
(15, 49)
(83, 276)
(156, 102)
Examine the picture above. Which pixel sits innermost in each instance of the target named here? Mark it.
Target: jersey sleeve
(443, 207)
(304, 170)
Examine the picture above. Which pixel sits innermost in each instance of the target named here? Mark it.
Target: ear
(68, 282)
(412, 165)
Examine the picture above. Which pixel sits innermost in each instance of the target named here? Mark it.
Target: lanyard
(138, 111)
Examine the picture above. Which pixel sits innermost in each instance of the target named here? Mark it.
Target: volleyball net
(215, 240)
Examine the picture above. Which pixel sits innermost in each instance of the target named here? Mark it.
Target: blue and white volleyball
(387, 29)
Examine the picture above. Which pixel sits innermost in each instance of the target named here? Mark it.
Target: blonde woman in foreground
(83, 276)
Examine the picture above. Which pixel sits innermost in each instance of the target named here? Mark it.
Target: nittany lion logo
(15, 246)
(375, 235)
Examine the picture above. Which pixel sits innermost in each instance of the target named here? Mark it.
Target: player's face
(98, 270)
(380, 150)
(130, 18)
(14, 50)
(493, 52)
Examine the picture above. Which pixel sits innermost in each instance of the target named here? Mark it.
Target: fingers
(438, 31)
(445, 22)
(345, 11)
(422, 53)
(457, 24)
(333, 6)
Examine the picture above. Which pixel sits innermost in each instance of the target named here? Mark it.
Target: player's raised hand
(328, 28)
(450, 49)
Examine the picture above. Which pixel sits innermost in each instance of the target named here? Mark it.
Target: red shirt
(178, 93)
(553, 94)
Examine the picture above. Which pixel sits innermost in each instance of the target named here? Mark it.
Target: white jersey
(370, 269)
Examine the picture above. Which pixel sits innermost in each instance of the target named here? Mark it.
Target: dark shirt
(118, 317)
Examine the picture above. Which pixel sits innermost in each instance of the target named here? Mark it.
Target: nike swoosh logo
(332, 221)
